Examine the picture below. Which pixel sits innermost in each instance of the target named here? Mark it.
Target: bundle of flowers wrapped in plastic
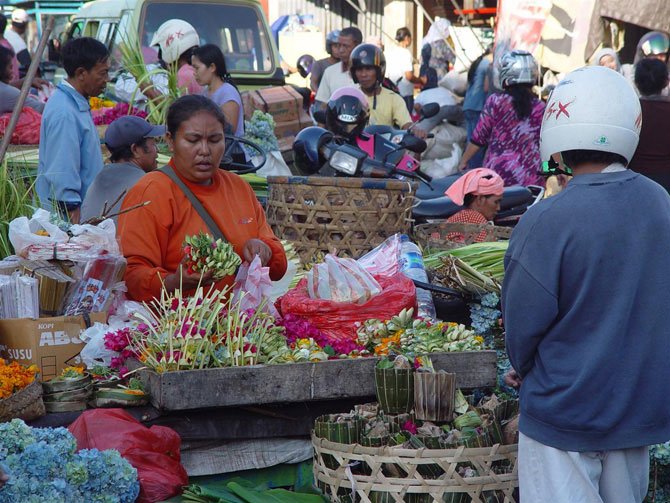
(43, 466)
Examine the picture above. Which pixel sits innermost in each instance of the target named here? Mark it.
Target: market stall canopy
(574, 29)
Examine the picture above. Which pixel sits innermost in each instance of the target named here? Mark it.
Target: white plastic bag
(253, 287)
(274, 165)
(455, 81)
(98, 238)
(22, 232)
(441, 145)
(94, 352)
(341, 280)
(439, 168)
(383, 260)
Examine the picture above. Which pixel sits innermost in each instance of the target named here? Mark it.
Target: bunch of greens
(17, 199)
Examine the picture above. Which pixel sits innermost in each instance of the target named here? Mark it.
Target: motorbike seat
(437, 187)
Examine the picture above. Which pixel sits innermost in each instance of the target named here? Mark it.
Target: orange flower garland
(14, 377)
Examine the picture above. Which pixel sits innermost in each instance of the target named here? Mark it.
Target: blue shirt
(585, 308)
(70, 156)
(475, 96)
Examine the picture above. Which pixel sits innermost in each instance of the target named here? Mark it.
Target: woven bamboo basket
(352, 215)
(445, 236)
(25, 404)
(496, 473)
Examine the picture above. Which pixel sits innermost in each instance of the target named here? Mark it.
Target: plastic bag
(22, 232)
(154, 451)
(456, 81)
(341, 280)
(253, 286)
(339, 320)
(439, 168)
(441, 145)
(94, 352)
(27, 130)
(384, 259)
(101, 237)
(274, 165)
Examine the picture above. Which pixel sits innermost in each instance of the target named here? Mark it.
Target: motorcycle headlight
(347, 159)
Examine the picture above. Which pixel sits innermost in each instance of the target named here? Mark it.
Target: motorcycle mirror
(320, 116)
(429, 110)
(413, 144)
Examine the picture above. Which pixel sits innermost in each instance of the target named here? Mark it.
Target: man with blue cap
(131, 141)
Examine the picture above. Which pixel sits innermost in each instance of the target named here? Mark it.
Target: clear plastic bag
(384, 259)
(341, 280)
(23, 232)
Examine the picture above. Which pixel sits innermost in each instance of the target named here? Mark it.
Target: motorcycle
(384, 152)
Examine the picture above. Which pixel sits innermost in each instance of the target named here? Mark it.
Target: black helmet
(347, 112)
(304, 65)
(331, 39)
(367, 55)
(307, 148)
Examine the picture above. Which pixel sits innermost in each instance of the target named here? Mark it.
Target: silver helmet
(518, 67)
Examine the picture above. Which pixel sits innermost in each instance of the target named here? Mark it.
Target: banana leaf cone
(506, 410)
(59, 384)
(395, 390)
(335, 428)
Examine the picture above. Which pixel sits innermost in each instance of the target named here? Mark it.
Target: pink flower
(117, 362)
(410, 427)
(123, 371)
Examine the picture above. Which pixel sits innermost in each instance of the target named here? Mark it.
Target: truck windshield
(238, 30)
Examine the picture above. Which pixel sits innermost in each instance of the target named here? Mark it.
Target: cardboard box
(282, 102)
(287, 129)
(50, 343)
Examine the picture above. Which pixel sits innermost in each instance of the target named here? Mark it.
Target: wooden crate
(297, 382)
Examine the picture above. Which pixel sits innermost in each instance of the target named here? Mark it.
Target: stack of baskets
(68, 394)
(352, 215)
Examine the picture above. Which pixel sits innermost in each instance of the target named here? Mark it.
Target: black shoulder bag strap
(209, 221)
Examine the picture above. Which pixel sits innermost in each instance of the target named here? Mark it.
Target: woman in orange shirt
(480, 192)
(153, 235)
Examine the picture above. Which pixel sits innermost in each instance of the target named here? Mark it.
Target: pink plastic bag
(253, 287)
(27, 131)
(341, 280)
(384, 260)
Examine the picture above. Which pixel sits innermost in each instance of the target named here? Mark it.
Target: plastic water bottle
(411, 265)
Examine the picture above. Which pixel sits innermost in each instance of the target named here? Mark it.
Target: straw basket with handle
(25, 404)
(351, 215)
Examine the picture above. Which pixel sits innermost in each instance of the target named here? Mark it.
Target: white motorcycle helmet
(175, 37)
(593, 108)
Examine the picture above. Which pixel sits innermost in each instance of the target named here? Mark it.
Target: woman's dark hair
(522, 99)
(6, 56)
(187, 106)
(467, 199)
(651, 76)
(402, 34)
(125, 152)
(574, 158)
(475, 64)
(85, 52)
(210, 54)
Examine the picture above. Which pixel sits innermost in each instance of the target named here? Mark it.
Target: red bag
(338, 319)
(154, 451)
(27, 131)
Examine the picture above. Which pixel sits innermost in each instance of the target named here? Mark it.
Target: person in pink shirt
(5, 43)
(176, 40)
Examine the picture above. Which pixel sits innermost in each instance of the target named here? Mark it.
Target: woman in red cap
(480, 192)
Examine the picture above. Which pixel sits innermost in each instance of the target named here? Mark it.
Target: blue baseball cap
(125, 131)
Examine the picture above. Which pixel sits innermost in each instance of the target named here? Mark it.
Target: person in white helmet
(584, 332)
(176, 40)
(15, 36)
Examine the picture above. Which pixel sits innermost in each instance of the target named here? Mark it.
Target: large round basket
(393, 474)
(25, 404)
(352, 215)
(445, 236)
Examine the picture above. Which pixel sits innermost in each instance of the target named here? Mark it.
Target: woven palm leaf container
(492, 473)
(395, 390)
(351, 215)
(434, 396)
(25, 404)
(446, 236)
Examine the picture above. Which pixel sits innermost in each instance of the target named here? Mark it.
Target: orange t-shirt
(152, 236)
